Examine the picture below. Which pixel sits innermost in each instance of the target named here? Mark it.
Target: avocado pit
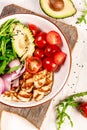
(56, 5)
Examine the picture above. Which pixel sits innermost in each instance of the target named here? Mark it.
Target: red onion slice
(2, 85)
(7, 81)
(15, 83)
(14, 63)
(9, 78)
(19, 72)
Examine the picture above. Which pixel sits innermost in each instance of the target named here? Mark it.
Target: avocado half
(22, 40)
(68, 10)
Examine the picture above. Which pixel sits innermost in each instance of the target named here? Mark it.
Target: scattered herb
(83, 16)
(62, 107)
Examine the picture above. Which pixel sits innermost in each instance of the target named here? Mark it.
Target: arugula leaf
(3, 66)
(7, 52)
(6, 26)
(61, 108)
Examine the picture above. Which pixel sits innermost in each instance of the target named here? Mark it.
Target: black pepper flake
(82, 66)
(77, 64)
(81, 99)
(73, 84)
(53, 100)
(79, 3)
(15, 34)
(83, 41)
(76, 77)
(68, 84)
(22, 33)
(18, 31)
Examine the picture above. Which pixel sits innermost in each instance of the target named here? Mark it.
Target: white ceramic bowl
(61, 76)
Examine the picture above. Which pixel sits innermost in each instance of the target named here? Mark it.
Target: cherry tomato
(33, 64)
(51, 49)
(54, 38)
(40, 40)
(39, 53)
(59, 57)
(33, 28)
(82, 107)
(49, 64)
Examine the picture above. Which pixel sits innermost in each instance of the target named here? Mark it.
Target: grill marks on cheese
(32, 86)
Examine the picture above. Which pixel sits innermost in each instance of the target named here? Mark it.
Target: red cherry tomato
(51, 49)
(40, 40)
(49, 64)
(33, 64)
(83, 108)
(39, 53)
(54, 38)
(33, 28)
(59, 57)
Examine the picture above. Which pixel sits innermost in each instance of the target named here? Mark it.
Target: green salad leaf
(7, 52)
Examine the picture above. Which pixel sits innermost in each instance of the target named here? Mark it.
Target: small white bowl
(61, 76)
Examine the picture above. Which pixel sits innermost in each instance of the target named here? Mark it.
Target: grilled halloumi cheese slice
(40, 79)
(38, 95)
(41, 91)
(24, 96)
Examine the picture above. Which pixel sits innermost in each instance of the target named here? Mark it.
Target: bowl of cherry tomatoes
(46, 68)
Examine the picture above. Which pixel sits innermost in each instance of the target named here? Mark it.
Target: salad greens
(61, 108)
(7, 52)
(83, 16)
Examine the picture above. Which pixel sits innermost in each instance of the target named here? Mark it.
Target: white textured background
(77, 81)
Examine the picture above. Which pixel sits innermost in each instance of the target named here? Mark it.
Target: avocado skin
(56, 16)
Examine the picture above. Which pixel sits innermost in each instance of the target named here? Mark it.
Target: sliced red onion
(7, 81)
(19, 72)
(15, 83)
(14, 75)
(9, 78)
(2, 85)
(22, 69)
(14, 63)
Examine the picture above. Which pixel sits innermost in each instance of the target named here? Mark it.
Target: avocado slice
(67, 11)
(22, 40)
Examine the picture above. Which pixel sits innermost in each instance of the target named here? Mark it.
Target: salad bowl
(60, 77)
